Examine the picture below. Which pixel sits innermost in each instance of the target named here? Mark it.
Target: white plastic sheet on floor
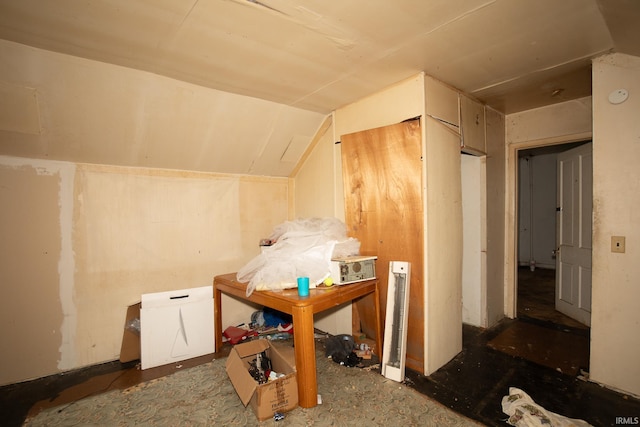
(524, 412)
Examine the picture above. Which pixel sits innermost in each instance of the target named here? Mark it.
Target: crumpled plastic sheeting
(524, 412)
(303, 247)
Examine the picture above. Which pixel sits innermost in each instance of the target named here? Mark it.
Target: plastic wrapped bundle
(302, 247)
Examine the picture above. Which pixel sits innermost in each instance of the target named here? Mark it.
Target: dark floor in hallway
(536, 300)
(473, 383)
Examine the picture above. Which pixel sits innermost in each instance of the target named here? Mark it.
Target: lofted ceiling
(319, 55)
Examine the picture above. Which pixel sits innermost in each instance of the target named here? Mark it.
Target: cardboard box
(130, 349)
(280, 395)
(176, 325)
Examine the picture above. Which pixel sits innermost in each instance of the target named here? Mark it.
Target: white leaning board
(176, 325)
(395, 327)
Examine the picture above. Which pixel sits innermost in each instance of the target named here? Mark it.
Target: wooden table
(302, 310)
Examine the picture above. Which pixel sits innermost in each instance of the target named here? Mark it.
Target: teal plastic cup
(303, 286)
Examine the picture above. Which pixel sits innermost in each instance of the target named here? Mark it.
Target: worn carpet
(204, 396)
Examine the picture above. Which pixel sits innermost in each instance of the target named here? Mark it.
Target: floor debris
(524, 412)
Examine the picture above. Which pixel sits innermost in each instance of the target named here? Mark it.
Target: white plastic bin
(176, 325)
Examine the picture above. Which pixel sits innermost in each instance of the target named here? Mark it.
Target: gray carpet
(204, 396)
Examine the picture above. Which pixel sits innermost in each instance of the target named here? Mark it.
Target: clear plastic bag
(133, 325)
(302, 248)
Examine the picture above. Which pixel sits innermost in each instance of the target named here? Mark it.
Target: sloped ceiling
(319, 55)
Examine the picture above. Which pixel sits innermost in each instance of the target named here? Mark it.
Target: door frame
(511, 213)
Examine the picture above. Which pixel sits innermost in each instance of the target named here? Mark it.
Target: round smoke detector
(618, 96)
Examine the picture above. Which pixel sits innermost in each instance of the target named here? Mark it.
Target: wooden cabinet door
(382, 173)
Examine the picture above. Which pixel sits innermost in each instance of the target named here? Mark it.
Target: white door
(573, 260)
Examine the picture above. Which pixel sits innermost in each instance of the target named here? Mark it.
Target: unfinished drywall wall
(87, 240)
(140, 231)
(36, 267)
(615, 319)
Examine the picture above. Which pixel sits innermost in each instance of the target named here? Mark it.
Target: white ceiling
(319, 55)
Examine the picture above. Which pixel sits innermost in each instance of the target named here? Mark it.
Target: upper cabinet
(472, 123)
(457, 112)
(442, 103)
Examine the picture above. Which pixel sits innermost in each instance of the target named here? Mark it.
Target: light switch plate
(617, 244)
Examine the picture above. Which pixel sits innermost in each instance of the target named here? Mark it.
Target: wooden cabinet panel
(382, 173)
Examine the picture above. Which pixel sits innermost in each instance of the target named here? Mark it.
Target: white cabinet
(442, 104)
(459, 113)
(472, 124)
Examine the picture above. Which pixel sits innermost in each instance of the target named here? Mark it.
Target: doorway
(536, 235)
(559, 336)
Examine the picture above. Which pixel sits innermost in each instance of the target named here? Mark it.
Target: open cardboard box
(130, 349)
(280, 395)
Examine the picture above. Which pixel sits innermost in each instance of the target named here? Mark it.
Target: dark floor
(536, 299)
(473, 383)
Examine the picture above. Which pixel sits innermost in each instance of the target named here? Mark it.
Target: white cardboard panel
(176, 325)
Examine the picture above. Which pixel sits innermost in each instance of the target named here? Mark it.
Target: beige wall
(60, 107)
(314, 179)
(389, 106)
(444, 229)
(615, 340)
(495, 198)
(474, 250)
(317, 193)
(85, 241)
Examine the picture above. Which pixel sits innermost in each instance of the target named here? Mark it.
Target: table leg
(217, 313)
(305, 351)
